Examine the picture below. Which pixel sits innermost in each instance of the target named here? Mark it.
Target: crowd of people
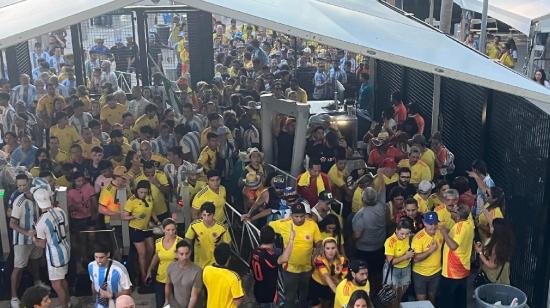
(382, 224)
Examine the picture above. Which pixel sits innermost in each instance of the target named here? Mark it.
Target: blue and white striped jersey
(52, 226)
(118, 279)
(26, 212)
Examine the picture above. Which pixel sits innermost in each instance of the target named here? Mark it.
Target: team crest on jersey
(307, 237)
(214, 234)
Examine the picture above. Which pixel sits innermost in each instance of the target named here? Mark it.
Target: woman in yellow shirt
(492, 209)
(139, 211)
(165, 253)
(329, 269)
(330, 226)
(399, 254)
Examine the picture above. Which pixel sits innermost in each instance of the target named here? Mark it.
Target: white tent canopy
(26, 19)
(371, 28)
(515, 13)
(362, 26)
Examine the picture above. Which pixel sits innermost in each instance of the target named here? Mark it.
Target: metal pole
(61, 198)
(483, 34)
(4, 236)
(267, 120)
(78, 54)
(142, 45)
(122, 197)
(435, 106)
(431, 18)
(445, 16)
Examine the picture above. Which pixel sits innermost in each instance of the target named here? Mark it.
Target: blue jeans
(159, 294)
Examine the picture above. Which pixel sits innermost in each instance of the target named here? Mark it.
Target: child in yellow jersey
(330, 268)
(398, 255)
(139, 211)
(206, 233)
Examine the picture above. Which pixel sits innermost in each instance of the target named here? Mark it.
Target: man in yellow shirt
(214, 192)
(45, 108)
(297, 272)
(295, 86)
(389, 170)
(215, 121)
(337, 176)
(419, 170)
(149, 118)
(112, 112)
(66, 134)
(208, 157)
(427, 245)
(424, 191)
(223, 286)
(457, 252)
(357, 279)
(427, 155)
(88, 142)
(147, 154)
(59, 156)
(206, 233)
(109, 203)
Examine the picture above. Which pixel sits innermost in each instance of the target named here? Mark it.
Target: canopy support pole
(436, 100)
(483, 34)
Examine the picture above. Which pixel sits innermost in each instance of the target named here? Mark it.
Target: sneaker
(14, 303)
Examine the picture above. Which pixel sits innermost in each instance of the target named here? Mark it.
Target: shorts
(57, 273)
(81, 224)
(317, 292)
(22, 253)
(163, 216)
(426, 285)
(138, 236)
(399, 277)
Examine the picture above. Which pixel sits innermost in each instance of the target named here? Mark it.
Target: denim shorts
(399, 277)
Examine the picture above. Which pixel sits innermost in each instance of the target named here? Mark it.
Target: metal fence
(513, 136)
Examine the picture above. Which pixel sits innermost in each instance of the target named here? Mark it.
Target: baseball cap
(299, 207)
(389, 163)
(326, 195)
(120, 171)
(279, 182)
(425, 186)
(418, 139)
(42, 197)
(430, 218)
(357, 265)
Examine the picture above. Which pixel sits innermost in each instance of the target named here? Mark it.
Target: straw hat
(251, 151)
(252, 180)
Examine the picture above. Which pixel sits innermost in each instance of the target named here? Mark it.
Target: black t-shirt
(264, 269)
(323, 153)
(285, 144)
(121, 54)
(410, 191)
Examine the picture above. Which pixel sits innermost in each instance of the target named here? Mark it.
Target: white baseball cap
(42, 197)
(425, 186)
